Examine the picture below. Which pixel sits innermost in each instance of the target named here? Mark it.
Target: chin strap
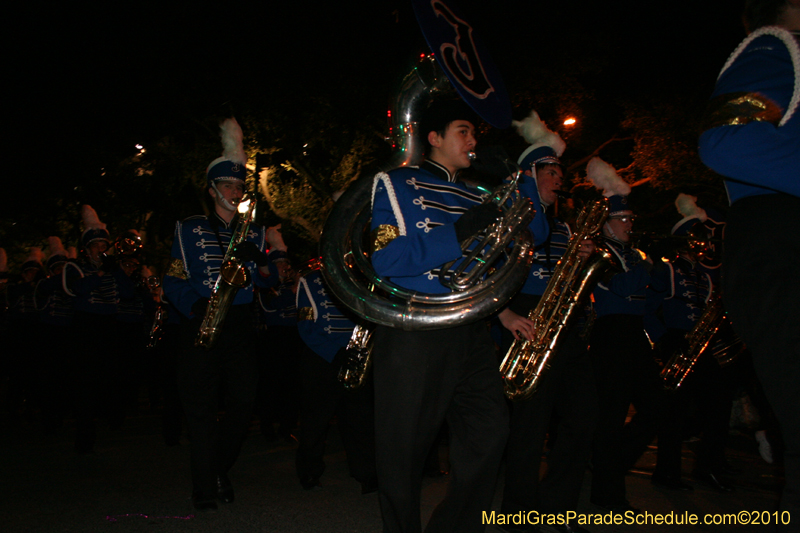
(225, 203)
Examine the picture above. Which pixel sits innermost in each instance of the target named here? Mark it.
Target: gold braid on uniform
(177, 270)
(305, 313)
(383, 235)
(737, 109)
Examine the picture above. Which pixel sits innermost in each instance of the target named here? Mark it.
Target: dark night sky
(103, 79)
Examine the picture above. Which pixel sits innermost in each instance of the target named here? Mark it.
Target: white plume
(55, 246)
(605, 177)
(35, 254)
(90, 218)
(232, 148)
(688, 208)
(535, 132)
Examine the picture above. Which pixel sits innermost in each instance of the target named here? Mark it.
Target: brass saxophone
(156, 328)
(527, 360)
(358, 358)
(232, 276)
(682, 361)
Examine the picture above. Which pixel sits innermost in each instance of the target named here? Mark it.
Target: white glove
(275, 239)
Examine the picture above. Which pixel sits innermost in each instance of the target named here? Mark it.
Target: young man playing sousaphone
(567, 388)
(229, 364)
(420, 215)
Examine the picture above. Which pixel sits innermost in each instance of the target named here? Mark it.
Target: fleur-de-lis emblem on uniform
(424, 225)
(420, 202)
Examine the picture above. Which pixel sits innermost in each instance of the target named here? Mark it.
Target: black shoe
(728, 469)
(619, 508)
(202, 502)
(666, 482)
(434, 472)
(224, 489)
(510, 528)
(310, 483)
(564, 528)
(370, 486)
(713, 480)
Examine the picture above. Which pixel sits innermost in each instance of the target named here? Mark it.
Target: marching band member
(420, 215)
(23, 328)
(687, 290)
(4, 329)
(278, 396)
(625, 369)
(55, 318)
(131, 319)
(568, 390)
(325, 331)
(97, 283)
(229, 365)
(752, 138)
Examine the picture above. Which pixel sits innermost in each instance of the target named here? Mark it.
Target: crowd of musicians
(107, 330)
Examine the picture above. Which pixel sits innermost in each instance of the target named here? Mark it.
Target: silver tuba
(345, 261)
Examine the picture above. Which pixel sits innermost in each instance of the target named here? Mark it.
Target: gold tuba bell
(527, 360)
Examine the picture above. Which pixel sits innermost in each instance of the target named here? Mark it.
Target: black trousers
(227, 370)
(422, 379)
(278, 396)
(324, 397)
(626, 373)
(705, 396)
(762, 292)
(566, 391)
(96, 376)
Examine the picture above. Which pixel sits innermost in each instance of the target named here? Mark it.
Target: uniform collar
(618, 244)
(438, 170)
(221, 221)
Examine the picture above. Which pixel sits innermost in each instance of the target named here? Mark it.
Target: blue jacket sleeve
(177, 288)
(757, 152)
(539, 226)
(416, 252)
(632, 282)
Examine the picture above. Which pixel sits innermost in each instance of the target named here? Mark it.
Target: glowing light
(243, 206)
(139, 146)
(570, 121)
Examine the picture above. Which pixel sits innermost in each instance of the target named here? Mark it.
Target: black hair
(441, 114)
(758, 13)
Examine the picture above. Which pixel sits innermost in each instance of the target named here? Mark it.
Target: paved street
(135, 483)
